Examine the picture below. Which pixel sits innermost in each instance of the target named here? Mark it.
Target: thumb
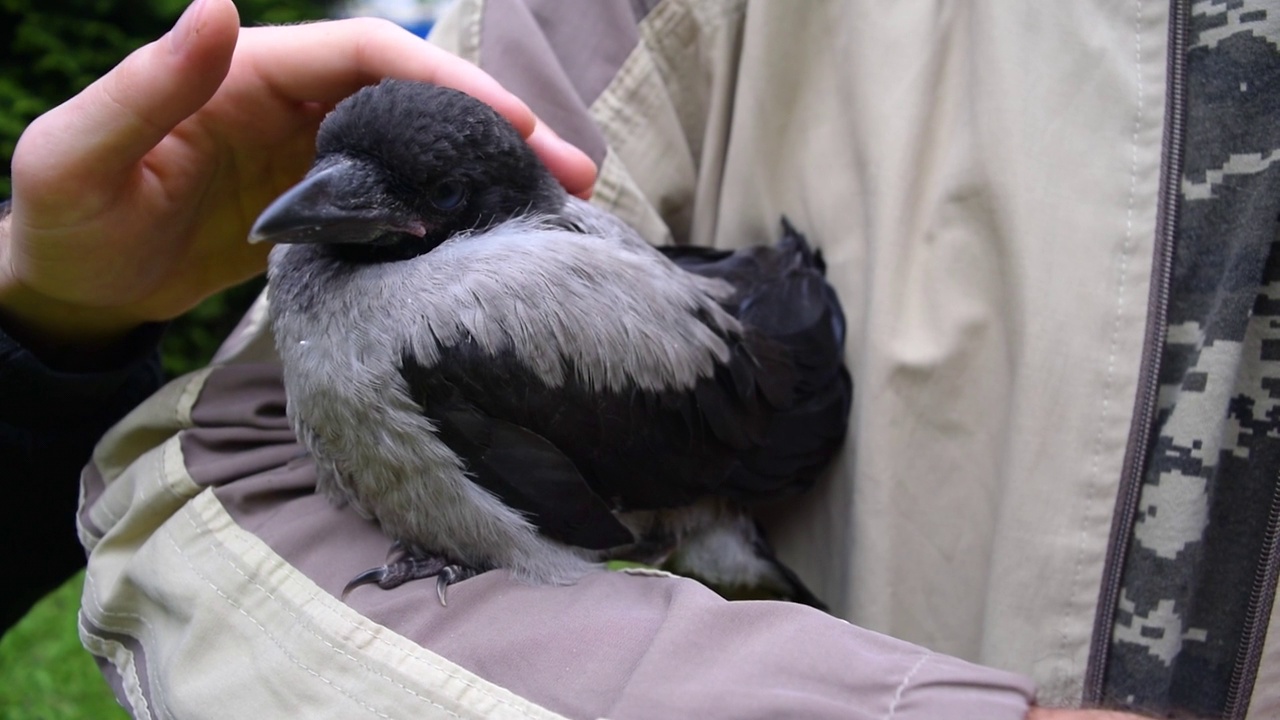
(114, 122)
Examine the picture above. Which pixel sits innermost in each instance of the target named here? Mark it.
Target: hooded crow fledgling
(507, 377)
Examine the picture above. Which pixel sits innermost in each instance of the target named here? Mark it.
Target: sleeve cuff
(37, 395)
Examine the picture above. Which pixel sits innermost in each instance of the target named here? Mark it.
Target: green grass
(45, 674)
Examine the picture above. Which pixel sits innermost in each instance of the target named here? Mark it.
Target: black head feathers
(401, 167)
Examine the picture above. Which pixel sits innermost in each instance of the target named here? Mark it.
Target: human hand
(132, 200)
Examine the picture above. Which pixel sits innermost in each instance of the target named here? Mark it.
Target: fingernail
(187, 26)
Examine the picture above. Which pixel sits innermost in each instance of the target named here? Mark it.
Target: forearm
(49, 423)
(50, 419)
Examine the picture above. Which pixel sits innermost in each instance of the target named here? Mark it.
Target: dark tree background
(54, 48)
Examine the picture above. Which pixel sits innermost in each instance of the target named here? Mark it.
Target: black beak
(335, 204)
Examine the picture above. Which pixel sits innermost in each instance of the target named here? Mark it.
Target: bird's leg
(403, 565)
(397, 550)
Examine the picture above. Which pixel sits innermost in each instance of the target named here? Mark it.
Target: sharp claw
(409, 567)
(442, 586)
(372, 575)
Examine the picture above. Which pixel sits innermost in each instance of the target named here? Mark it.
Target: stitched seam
(103, 614)
(283, 606)
(127, 669)
(87, 538)
(158, 687)
(91, 584)
(1125, 249)
(474, 30)
(323, 600)
(191, 392)
(280, 646)
(173, 458)
(902, 687)
(181, 419)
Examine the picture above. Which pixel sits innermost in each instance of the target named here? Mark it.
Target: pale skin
(132, 200)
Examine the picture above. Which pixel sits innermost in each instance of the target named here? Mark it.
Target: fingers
(575, 171)
(95, 137)
(325, 62)
(113, 123)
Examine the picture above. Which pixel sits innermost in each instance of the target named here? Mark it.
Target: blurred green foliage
(54, 48)
(44, 672)
(192, 339)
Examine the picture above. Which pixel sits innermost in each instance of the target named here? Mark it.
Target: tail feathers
(751, 266)
(789, 299)
(800, 311)
(791, 305)
(782, 294)
(794, 241)
(794, 321)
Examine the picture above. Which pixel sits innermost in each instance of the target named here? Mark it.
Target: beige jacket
(986, 195)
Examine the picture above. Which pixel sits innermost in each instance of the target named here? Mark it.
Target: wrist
(62, 334)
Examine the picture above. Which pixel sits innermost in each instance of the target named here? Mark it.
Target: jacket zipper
(1261, 596)
(1145, 408)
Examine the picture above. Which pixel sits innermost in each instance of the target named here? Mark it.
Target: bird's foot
(403, 566)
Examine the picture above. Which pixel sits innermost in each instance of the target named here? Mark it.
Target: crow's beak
(336, 204)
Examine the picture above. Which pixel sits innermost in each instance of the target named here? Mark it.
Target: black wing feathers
(729, 402)
(635, 449)
(764, 423)
(523, 469)
(783, 297)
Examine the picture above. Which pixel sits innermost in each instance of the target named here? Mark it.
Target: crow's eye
(448, 194)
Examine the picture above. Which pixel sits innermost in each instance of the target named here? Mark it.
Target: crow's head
(403, 166)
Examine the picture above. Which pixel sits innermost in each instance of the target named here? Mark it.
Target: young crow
(505, 376)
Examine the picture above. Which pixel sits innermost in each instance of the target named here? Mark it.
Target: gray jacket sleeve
(217, 571)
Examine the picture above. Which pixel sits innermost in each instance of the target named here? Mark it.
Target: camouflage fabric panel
(1211, 473)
